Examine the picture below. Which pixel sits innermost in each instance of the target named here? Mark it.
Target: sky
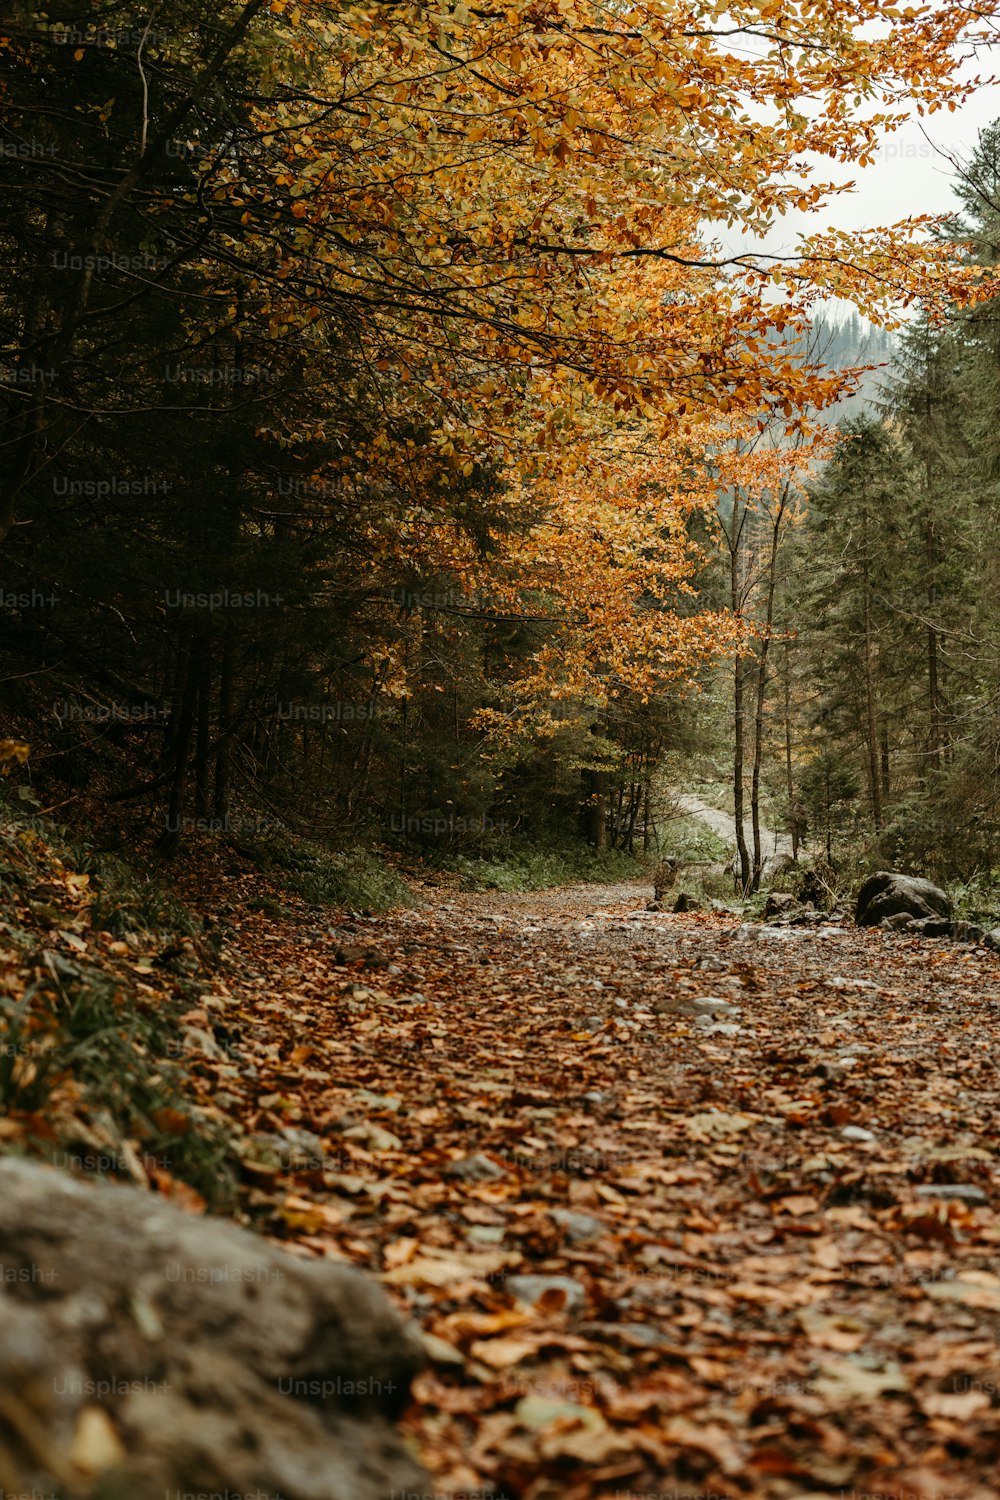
(908, 176)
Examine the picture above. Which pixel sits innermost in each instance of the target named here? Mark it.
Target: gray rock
(703, 1007)
(154, 1350)
(966, 932)
(477, 1168)
(580, 1228)
(992, 939)
(779, 904)
(686, 902)
(929, 927)
(888, 894)
(628, 1333)
(531, 1290)
(857, 1133)
(963, 1192)
(898, 923)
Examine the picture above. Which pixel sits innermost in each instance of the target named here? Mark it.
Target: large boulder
(888, 894)
(145, 1350)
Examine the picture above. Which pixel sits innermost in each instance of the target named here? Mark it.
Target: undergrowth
(85, 1080)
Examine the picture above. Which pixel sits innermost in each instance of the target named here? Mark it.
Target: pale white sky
(908, 176)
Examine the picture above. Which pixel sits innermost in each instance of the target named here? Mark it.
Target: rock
(992, 939)
(152, 1350)
(477, 1168)
(857, 1133)
(779, 904)
(686, 902)
(887, 894)
(963, 1192)
(641, 1334)
(354, 953)
(895, 924)
(966, 932)
(374, 1137)
(702, 1007)
(196, 1039)
(929, 927)
(654, 906)
(580, 1228)
(563, 1290)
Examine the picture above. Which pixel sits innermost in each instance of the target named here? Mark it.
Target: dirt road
(723, 823)
(684, 1206)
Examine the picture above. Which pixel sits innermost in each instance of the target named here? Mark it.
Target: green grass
(689, 839)
(524, 866)
(358, 878)
(978, 900)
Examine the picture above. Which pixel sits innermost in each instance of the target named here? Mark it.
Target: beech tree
(357, 304)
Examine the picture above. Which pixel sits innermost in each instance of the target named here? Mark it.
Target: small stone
(962, 1192)
(477, 1168)
(391, 1102)
(702, 1007)
(349, 953)
(857, 1133)
(629, 1333)
(486, 1234)
(929, 927)
(686, 902)
(374, 1137)
(531, 1290)
(199, 1040)
(536, 1412)
(580, 1228)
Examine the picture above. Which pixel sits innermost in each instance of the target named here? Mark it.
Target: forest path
(684, 1206)
(724, 824)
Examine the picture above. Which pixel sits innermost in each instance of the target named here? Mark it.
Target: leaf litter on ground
(646, 1256)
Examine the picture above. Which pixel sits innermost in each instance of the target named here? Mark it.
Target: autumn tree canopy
(389, 294)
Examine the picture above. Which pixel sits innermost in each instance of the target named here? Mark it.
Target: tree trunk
(203, 662)
(170, 838)
(222, 763)
(738, 754)
(871, 712)
(789, 775)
